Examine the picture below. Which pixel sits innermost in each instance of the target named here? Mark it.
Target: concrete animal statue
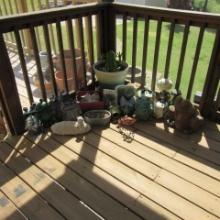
(71, 127)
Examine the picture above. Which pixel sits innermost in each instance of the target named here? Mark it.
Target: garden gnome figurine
(164, 85)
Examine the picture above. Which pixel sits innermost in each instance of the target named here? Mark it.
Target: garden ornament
(126, 95)
(187, 117)
(183, 116)
(71, 127)
(123, 124)
(144, 106)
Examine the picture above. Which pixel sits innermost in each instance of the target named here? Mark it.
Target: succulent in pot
(111, 71)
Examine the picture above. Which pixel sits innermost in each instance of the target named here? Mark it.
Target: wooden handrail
(21, 21)
(169, 15)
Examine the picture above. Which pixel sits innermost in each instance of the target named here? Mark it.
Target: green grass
(190, 52)
(213, 5)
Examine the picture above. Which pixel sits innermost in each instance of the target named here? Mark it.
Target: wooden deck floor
(159, 175)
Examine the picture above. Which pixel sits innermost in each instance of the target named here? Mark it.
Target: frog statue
(126, 95)
(144, 106)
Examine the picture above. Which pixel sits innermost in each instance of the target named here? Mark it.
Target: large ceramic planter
(110, 80)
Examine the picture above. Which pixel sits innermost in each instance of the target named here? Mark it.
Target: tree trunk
(180, 4)
(205, 5)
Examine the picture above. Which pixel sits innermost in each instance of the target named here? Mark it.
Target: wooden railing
(105, 29)
(10, 7)
(29, 22)
(204, 22)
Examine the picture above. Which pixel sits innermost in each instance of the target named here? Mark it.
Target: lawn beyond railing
(104, 29)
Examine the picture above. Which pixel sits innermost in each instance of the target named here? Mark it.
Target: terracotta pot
(59, 76)
(47, 84)
(69, 63)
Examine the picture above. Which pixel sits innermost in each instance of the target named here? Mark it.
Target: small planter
(109, 80)
(89, 105)
(69, 63)
(98, 117)
(59, 76)
(47, 84)
(43, 59)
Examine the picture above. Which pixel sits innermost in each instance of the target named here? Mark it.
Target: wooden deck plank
(111, 185)
(8, 210)
(202, 180)
(190, 192)
(89, 194)
(24, 197)
(145, 207)
(190, 159)
(179, 143)
(56, 196)
(202, 138)
(157, 193)
(198, 164)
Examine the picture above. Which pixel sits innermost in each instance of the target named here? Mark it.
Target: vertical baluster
(81, 37)
(124, 38)
(145, 48)
(8, 92)
(50, 61)
(91, 45)
(218, 100)
(134, 48)
(72, 48)
(10, 7)
(23, 65)
(22, 33)
(111, 29)
(39, 4)
(61, 51)
(11, 12)
(90, 39)
(52, 34)
(1, 13)
(212, 79)
(10, 35)
(5, 7)
(37, 59)
(182, 55)
(169, 49)
(37, 30)
(99, 32)
(156, 55)
(195, 62)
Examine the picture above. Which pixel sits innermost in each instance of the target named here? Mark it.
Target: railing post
(8, 93)
(22, 7)
(207, 107)
(108, 23)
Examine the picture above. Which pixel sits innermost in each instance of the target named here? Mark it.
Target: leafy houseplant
(111, 71)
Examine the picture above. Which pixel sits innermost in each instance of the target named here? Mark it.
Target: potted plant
(111, 71)
(59, 76)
